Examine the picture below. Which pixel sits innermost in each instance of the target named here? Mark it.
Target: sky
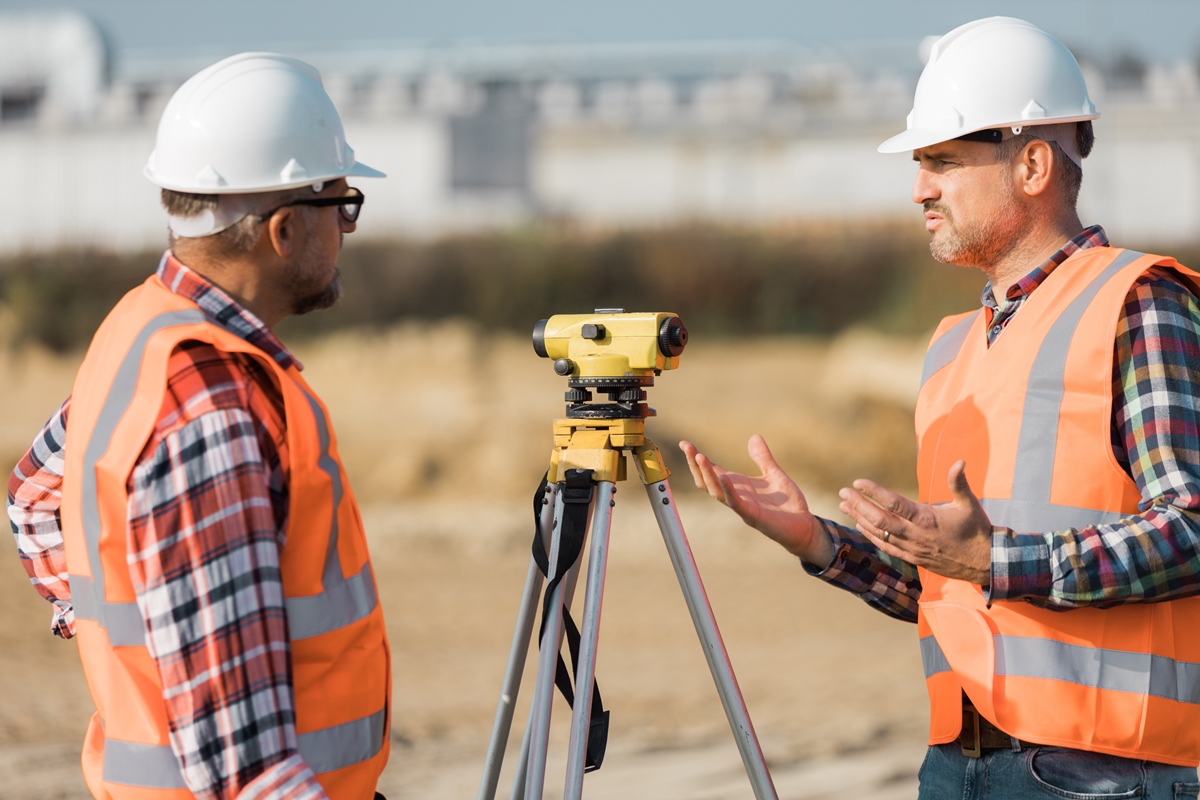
(1156, 30)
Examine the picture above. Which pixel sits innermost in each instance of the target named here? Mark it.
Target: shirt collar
(1089, 237)
(223, 309)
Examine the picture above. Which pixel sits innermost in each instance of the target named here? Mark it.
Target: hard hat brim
(363, 171)
(916, 138)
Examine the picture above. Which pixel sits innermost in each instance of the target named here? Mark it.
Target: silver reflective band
(943, 352)
(1036, 443)
(1031, 516)
(89, 601)
(932, 657)
(1095, 667)
(343, 601)
(156, 767)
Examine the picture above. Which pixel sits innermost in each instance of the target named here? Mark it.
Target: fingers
(760, 454)
(736, 502)
(870, 518)
(898, 504)
(690, 452)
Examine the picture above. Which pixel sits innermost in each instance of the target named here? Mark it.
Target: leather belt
(978, 734)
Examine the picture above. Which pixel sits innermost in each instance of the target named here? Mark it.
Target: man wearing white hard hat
(1052, 560)
(185, 510)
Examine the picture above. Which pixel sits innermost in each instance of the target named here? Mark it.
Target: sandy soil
(834, 688)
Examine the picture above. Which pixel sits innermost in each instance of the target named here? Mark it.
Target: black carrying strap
(577, 493)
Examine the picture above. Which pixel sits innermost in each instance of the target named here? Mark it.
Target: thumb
(956, 479)
(760, 454)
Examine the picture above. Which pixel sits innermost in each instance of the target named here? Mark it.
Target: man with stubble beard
(185, 510)
(1052, 559)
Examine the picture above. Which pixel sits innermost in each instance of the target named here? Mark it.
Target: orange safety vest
(1032, 416)
(341, 666)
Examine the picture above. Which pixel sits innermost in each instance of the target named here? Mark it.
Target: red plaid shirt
(206, 521)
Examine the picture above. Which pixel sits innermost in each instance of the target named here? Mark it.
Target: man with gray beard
(1051, 561)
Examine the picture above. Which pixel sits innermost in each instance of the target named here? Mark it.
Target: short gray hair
(1070, 177)
(240, 237)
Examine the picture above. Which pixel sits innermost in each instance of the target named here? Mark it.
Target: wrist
(813, 546)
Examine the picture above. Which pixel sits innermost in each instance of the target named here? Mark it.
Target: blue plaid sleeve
(1155, 554)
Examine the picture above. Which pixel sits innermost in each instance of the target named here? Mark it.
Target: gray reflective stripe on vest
(932, 657)
(343, 601)
(1026, 516)
(1036, 443)
(122, 620)
(156, 767)
(943, 352)
(1099, 668)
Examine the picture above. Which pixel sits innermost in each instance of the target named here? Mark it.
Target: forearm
(34, 500)
(207, 575)
(1149, 557)
(886, 584)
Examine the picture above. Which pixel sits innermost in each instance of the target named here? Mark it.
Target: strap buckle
(970, 735)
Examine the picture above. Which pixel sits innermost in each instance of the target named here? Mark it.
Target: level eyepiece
(672, 337)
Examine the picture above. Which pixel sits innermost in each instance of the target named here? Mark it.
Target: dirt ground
(444, 433)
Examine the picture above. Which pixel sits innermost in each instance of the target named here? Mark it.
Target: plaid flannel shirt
(206, 521)
(1152, 555)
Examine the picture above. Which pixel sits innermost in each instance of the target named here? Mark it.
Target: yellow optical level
(611, 343)
(613, 352)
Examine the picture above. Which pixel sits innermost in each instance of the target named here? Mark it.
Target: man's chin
(322, 299)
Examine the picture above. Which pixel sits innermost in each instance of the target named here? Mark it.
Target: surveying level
(617, 354)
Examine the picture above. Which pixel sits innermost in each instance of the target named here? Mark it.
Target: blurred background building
(487, 135)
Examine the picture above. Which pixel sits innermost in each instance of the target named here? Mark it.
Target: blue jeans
(1049, 772)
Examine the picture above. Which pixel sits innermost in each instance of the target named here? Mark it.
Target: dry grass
(444, 432)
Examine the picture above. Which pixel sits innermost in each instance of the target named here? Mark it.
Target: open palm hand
(770, 502)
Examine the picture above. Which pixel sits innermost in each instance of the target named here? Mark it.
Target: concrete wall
(84, 188)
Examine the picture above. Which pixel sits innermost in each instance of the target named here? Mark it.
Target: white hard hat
(993, 73)
(253, 122)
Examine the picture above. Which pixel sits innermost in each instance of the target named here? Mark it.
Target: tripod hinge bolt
(666, 501)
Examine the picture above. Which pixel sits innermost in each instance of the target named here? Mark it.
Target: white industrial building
(607, 136)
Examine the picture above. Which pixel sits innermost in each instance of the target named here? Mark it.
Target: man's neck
(1039, 243)
(241, 279)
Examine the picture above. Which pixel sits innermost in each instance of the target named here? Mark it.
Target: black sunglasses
(349, 205)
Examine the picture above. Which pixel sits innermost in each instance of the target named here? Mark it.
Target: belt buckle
(976, 750)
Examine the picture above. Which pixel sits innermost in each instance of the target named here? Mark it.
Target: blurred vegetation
(723, 281)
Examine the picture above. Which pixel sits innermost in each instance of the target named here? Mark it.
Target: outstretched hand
(770, 502)
(952, 539)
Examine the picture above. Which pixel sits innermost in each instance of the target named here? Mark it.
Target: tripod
(597, 443)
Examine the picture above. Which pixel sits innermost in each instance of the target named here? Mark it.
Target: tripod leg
(669, 523)
(588, 637)
(522, 770)
(516, 663)
(543, 698)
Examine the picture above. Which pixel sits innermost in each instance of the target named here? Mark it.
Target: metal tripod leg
(516, 658)
(669, 523)
(543, 697)
(588, 636)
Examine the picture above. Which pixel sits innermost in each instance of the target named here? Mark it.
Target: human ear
(282, 230)
(1037, 163)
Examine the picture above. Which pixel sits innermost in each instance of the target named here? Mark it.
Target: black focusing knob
(563, 366)
(672, 337)
(593, 332)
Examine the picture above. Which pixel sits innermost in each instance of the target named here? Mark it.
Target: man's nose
(924, 187)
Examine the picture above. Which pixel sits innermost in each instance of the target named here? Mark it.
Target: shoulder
(202, 378)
